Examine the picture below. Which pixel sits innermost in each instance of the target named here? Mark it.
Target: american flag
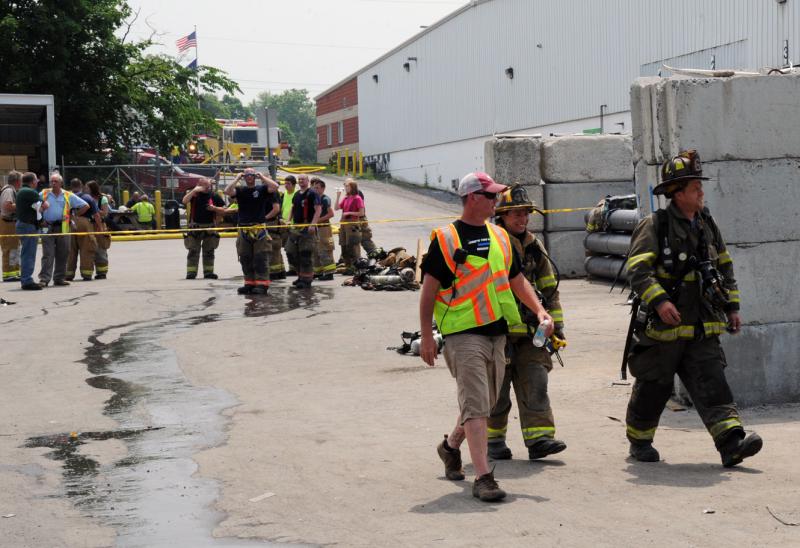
(189, 41)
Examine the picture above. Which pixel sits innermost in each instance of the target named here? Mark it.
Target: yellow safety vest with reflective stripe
(67, 209)
(481, 293)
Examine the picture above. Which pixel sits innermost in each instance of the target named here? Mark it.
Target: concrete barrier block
(645, 180)
(514, 160)
(577, 195)
(740, 118)
(755, 201)
(590, 158)
(762, 364)
(536, 221)
(642, 95)
(767, 279)
(567, 251)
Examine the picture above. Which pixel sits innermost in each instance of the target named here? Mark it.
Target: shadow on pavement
(464, 503)
(700, 474)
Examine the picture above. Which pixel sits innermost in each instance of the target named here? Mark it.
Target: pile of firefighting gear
(412, 339)
(394, 270)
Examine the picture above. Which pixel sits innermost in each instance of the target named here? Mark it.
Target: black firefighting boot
(544, 447)
(498, 450)
(644, 452)
(736, 449)
(259, 290)
(453, 469)
(245, 290)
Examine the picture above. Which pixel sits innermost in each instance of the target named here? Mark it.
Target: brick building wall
(337, 121)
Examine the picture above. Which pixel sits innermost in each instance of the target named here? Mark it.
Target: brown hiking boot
(453, 469)
(486, 489)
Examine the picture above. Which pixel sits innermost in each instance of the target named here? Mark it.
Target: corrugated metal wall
(569, 57)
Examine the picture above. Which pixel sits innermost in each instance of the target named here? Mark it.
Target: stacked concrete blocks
(745, 129)
(518, 160)
(578, 172)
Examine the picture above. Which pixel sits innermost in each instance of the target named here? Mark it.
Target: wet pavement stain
(152, 496)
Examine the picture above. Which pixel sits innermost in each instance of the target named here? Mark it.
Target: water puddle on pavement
(151, 496)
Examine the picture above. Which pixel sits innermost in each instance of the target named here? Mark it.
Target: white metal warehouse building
(546, 66)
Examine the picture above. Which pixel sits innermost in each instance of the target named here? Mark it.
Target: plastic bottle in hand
(540, 337)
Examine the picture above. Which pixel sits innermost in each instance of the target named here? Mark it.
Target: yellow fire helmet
(516, 197)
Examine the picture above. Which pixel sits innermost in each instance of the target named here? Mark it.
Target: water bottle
(540, 337)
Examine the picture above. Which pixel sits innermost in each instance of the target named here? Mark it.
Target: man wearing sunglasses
(471, 276)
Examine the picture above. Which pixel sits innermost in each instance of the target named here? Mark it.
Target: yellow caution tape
(139, 234)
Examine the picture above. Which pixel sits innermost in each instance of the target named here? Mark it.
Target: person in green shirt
(27, 223)
(145, 213)
(290, 186)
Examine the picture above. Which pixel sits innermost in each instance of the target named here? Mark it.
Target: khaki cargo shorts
(478, 364)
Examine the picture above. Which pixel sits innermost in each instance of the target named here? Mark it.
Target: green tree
(294, 108)
(108, 92)
(236, 109)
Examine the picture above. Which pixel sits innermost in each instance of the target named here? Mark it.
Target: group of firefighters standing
(69, 218)
(490, 287)
(295, 220)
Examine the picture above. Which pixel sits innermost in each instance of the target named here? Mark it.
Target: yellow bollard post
(355, 163)
(338, 162)
(360, 164)
(157, 204)
(126, 195)
(346, 160)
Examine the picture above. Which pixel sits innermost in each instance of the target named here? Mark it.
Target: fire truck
(239, 141)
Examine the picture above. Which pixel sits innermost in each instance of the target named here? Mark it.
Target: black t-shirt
(303, 206)
(199, 207)
(254, 202)
(326, 205)
(475, 241)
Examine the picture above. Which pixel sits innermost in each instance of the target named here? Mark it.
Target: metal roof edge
(469, 5)
(26, 99)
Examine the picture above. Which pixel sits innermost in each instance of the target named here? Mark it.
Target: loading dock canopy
(27, 132)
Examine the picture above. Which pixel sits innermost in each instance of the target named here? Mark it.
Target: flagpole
(197, 66)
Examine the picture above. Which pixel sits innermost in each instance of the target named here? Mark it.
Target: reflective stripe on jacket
(481, 293)
(649, 277)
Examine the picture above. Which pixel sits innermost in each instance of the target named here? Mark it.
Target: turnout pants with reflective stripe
(300, 250)
(254, 247)
(10, 247)
(323, 251)
(101, 261)
(83, 246)
(276, 265)
(700, 365)
(350, 241)
(366, 238)
(527, 368)
(200, 242)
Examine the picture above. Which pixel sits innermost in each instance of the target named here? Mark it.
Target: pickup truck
(151, 168)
